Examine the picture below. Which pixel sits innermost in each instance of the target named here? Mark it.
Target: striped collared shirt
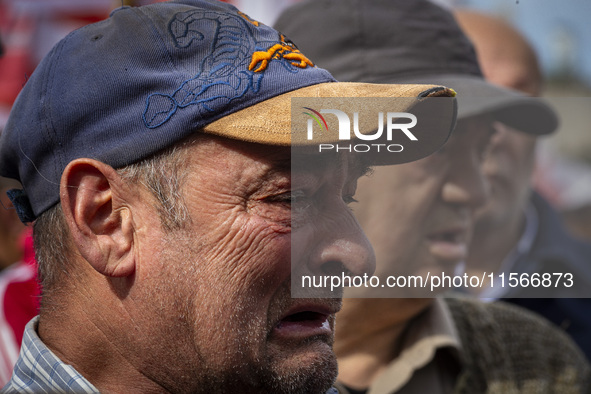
(38, 370)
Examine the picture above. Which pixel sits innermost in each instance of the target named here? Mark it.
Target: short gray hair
(162, 174)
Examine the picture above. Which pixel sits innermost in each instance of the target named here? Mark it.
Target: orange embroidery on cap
(246, 17)
(285, 50)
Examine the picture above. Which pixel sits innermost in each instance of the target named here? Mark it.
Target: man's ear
(93, 198)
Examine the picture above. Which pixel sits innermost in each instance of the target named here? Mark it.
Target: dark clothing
(556, 251)
(507, 350)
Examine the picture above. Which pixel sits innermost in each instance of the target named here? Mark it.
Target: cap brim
(270, 122)
(476, 96)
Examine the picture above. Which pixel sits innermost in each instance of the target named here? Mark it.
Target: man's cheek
(254, 254)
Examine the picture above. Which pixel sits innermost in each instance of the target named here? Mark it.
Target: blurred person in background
(11, 229)
(19, 289)
(518, 231)
(418, 216)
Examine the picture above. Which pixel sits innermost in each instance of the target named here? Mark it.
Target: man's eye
(298, 201)
(349, 199)
(291, 197)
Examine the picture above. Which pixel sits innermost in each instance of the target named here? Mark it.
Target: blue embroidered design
(233, 47)
(217, 83)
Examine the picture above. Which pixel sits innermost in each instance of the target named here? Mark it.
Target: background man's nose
(466, 185)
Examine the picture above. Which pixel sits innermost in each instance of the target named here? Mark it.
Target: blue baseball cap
(122, 89)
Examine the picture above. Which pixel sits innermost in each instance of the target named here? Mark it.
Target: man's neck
(365, 345)
(78, 342)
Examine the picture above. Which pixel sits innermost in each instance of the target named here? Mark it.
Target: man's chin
(308, 368)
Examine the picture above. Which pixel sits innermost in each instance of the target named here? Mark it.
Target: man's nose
(466, 184)
(342, 247)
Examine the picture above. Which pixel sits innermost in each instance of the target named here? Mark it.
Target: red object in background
(15, 64)
(19, 298)
(29, 30)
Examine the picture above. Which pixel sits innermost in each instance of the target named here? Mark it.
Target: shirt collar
(38, 369)
(432, 331)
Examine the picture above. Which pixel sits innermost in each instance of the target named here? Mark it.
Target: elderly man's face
(218, 313)
(418, 216)
(508, 167)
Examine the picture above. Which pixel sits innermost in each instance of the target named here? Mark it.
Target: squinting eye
(291, 209)
(348, 199)
(293, 197)
(297, 200)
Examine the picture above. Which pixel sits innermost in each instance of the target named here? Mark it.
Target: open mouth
(447, 236)
(304, 323)
(448, 245)
(306, 318)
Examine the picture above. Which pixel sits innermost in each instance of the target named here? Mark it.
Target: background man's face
(418, 216)
(218, 290)
(508, 166)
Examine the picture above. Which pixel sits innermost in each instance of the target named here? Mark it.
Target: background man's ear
(93, 198)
